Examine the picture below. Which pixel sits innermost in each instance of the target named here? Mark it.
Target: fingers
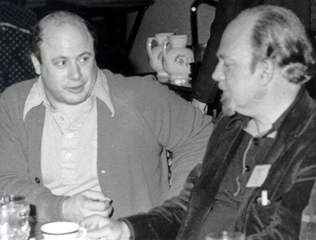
(100, 208)
(109, 211)
(106, 213)
(84, 204)
(96, 203)
(100, 227)
(95, 195)
(106, 232)
(94, 222)
(99, 232)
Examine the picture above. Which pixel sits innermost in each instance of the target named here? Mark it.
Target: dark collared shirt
(233, 187)
(251, 152)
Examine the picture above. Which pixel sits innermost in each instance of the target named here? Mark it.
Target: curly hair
(58, 18)
(278, 34)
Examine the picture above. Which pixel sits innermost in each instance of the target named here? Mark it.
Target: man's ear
(36, 64)
(267, 71)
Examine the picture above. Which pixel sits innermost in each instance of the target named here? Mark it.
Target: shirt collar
(37, 95)
(271, 133)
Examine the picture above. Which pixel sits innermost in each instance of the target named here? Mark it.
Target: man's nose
(74, 71)
(217, 74)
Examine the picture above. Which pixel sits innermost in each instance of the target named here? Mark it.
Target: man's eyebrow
(64, 57)
(58, 58)
(85, 53)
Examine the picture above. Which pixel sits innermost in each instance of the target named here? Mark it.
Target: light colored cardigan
(131, 170)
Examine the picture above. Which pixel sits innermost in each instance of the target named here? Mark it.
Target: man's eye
(227, 65)
(60, 63)
(84, 59)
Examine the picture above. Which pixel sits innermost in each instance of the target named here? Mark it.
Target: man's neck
(262, 122)
(258, 128)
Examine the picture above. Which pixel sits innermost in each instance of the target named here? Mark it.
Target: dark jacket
(290, 180)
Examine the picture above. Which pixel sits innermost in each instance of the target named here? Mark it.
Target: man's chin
(76, 100)
(228, 111)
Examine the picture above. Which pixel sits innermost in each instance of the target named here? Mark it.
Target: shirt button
(70, 135)
(67, 155)
(103, 172)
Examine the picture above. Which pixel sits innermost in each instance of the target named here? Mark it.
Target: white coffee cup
(63, 230)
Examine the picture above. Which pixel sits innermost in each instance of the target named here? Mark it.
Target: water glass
(225, 235)
(14, 214)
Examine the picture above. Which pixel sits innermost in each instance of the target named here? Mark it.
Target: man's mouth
(76, 89)
(223, 97)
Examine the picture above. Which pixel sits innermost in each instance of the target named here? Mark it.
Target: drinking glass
(225, 235)
(14, 214)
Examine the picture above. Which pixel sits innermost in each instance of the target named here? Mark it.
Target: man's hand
(99, 227)
(81, 205)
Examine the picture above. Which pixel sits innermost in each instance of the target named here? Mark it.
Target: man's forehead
(66, 41)
(53, 29)
(66, 34)
(236, 36)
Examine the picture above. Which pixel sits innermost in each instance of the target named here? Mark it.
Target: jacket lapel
(215, 164)
(219, 154)
(34, 123)
(292, 127)
(281, 153)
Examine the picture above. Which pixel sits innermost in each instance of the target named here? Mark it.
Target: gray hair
(278, 34)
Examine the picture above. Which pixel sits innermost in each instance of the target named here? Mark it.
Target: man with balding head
(78, 140)
(205, 89)
(259, 167)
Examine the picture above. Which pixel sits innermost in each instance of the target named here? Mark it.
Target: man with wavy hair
(205, 89)
(259, 167)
